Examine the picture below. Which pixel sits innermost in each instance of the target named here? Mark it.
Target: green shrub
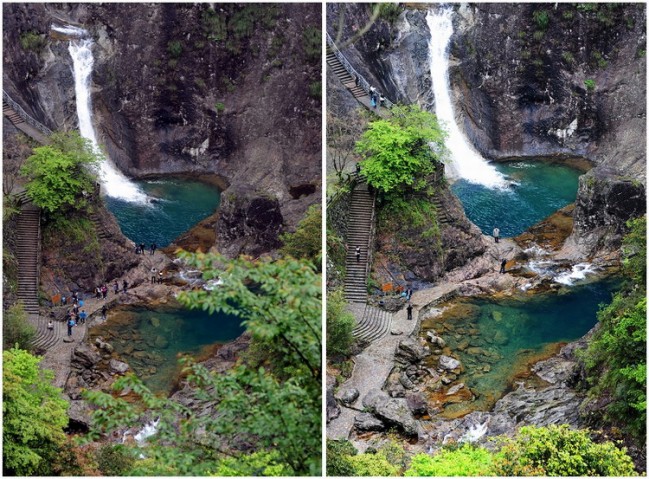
(538, 35)
(306, 241)
(32, 41)
(220, 106)
(541, 18)
(214, 25)
(175, 48)
(375, 465)
(567, 57)
(466, 460)
(260, 463)
(560, 451)
(339, 325)
(312, 43)
(16, 330)
(338, 454)
(590, 84)
(389, 11)
(315, 90)
(114, 460)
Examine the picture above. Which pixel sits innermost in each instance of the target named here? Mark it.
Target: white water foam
(147, 431)
(577, 273)
(466, 162)
(475, 432)
(115, 183)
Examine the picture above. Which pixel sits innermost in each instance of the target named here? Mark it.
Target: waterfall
(115, 183)
(466, 162)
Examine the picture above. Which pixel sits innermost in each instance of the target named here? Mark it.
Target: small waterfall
(115, 183)
(466, 163)
(577, 273)
(475, 432)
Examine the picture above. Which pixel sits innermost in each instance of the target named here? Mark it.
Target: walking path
(373, 366)
(23, 121)
(359, 234)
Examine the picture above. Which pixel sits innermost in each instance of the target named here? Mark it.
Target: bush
(590, 84)
(375, 465)
(114, 460)
(34, 416)
(220, 106)
(315, 90)
(340, 324)
(261, 463)
(175, 48)
(560, 451)
(312, 41)
(389, 12)
(16, 331)
(32, 41)
(306, 241)
(541, 18)
(338, 455)
(466, 460)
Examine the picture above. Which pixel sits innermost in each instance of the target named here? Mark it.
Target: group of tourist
(141, 248)
(376, 98)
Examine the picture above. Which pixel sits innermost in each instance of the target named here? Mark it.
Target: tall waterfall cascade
(466, 163)
(114, 182)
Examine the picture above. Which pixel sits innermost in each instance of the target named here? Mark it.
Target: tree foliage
(58, 173)
(306, 241)
(560, 451)
(34, 416)
(16, 331)
(272, 402)
(340, 324)
(616, 357)
(467, 460)
(343, 459)
(396, 151)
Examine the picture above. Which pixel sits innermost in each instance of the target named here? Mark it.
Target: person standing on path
(124, 286)
(503, 263)
(153, 275)
(116, 287)
(104, 310)
(71, 323)
(153, 247)
(82, 316)
(497, 234)
(409, 308)
(358, 254)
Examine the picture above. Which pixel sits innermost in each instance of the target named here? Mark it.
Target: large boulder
(118, 367)
(85, 356)
(409, 350)
(348, 396)
(392, 411)
(367, 422)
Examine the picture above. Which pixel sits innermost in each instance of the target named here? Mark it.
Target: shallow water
(496, 341)
(179, 205)
(151, 340)
(540, 189)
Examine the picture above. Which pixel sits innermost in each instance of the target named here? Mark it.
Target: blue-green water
(495, 341)
(150, 340)
(540, 189)
(178, 205)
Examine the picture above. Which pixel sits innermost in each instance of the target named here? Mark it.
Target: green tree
(306, 241)
(34, 416)
(616, 358)
(560, 451)
(59, 173)
(15, 328)
(340, 324)
(272, 401)
(396, 152)
(256, 464)
(467, 460)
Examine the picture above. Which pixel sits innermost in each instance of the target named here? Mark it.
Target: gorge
(537, 92)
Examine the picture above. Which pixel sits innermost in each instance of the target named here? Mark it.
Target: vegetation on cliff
(58, 174)
(534, 451)
(616, 359)
(34, 416)
(270, 401)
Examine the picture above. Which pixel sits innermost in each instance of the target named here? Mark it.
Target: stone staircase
(28, 253)
(441, 211)
(343, 75)
(22, 121)
(375, 324)
(359, 230)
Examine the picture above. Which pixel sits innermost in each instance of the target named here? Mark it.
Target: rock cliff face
(529, 80)
(186, 88)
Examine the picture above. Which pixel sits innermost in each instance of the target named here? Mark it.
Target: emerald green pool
(538, 189)
(174, 207)
(496, 341)
(151, 340)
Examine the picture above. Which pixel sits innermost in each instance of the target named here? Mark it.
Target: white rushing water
(114, 182)
(577, 273)
(466, 162)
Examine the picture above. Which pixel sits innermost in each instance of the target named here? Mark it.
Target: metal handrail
(362, 82)
(24, 115)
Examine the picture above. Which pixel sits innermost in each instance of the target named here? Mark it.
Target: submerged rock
(449, 363)
(118, 367)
